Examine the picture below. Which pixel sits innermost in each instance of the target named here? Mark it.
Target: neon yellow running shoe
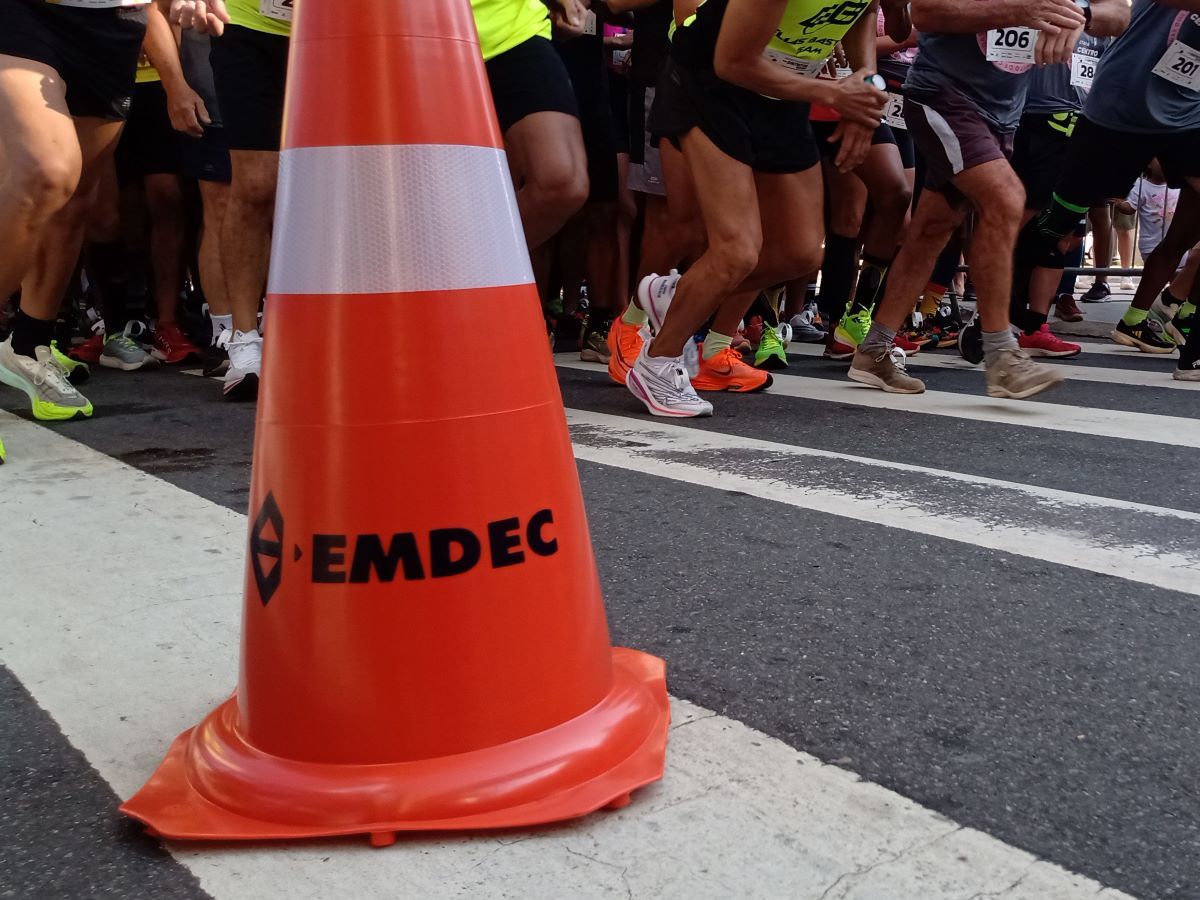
(772, 349)
(853, 328)
(2, 454)
(44, 381)
(78, 372)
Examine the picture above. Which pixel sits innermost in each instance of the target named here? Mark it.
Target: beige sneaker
(1012, 374)
(883, 368)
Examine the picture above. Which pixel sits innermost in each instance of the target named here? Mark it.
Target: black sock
(109, 269)
(870, 282)
(29, 333)
(837, 274)
(763, 307)
(1030, 322)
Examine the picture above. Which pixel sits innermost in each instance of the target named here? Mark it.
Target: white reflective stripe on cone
(391, 219)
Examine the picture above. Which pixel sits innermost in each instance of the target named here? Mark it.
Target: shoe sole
(246, 389)
(127, 367)
(1186, 375)
(772, 363)
(1127, 341)
(639, 390)
(872, 380)
(1052, 354)
(837, 357)
(1005, 394)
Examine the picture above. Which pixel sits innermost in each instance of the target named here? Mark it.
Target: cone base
(214, 786)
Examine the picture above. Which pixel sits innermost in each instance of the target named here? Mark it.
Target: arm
(746, 30)
(859, 42)
(184, 105)
(897, 25)
(1110, 18)
(958, 17)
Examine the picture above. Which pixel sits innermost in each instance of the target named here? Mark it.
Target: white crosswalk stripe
(137, 659)
(1108, 423)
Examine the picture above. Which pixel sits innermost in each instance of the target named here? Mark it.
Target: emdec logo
(404, 555)
(266, 549)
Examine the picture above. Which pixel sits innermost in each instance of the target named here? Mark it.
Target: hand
(1056, 47)
(856, 144)
(569, 17)
(187, 111)
(1052, 16)
(201, 16)
(858, 102)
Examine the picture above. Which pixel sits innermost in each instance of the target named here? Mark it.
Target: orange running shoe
(727, 371)
(624, 345)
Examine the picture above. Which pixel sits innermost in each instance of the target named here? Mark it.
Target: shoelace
(223, 339)
(898, 357)
(52, 373)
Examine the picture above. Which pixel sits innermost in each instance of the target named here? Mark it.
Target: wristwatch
(1085, 7)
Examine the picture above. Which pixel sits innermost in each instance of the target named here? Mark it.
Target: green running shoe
(52, 397)
(772, 351)
(2, 454)
(853, 328)
(78, 372)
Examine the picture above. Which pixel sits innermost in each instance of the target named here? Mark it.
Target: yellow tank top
(503, 24)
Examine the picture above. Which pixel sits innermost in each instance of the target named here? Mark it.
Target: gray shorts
(645, 167)
(952, 136)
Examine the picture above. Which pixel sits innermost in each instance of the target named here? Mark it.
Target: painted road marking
(1110, 423)
(125, 663)
(1134, 377)
(1108, 537)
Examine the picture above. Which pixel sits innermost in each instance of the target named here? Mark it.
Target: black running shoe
(1183, 324)
(970, 342)
(1097, 293)
(1189, 363)
(1146, 335)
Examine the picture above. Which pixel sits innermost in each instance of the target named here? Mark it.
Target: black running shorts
(1102, 163)
(530, 78)
(769, 136)
(952, 136)
(94, 51)
(823, 131)
(149, 145)
(250, 73)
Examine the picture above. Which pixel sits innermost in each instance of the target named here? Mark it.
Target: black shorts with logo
(250, 74)
(769, 136)
(149, 144)
(95, 51)
(1039, 150)
(1103, 163)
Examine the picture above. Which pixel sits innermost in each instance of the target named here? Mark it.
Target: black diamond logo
(266, 549)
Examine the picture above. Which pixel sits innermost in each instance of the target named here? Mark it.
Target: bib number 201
(1180, 65)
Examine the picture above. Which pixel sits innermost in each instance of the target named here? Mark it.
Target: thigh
(546, 146)
(726, 192)
(97, 143)
(34, 122)
(991, 184)
(790, 207)
(883, 170)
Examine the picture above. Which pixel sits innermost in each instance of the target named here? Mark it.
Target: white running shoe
(52, 397)
(662, 383)
(245, 366)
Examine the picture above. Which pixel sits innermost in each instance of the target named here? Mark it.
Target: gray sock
(878, 338)
(995, 341)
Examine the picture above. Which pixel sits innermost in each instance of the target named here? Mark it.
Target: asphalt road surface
(920, 647)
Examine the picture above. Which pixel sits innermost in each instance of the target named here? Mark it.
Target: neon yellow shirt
(503, 24)
(247, 14)
(146, 72)
(811, 28)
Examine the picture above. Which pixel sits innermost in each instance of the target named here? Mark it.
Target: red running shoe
(1043, 343)
(909, 347)
(172, 346)
(89, 351)
(1067, 309)
(835, 349)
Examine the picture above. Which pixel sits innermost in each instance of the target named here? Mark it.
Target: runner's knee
(44, 183)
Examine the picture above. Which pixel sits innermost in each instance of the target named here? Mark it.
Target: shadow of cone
(424, 641)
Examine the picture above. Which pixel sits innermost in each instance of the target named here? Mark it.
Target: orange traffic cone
(424, 640)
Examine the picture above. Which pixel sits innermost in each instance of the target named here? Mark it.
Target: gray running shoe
(1165, 313)
(122, 352)
(883, 368)
(1013, 374)
(52, 396)
(662, 383)
(804, 326)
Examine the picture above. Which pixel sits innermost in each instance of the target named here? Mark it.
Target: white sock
(219, 324)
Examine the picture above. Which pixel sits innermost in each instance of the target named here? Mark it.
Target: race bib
(280, 10)
(589, 23)
(893, 113)
(1011, 45)
(1180, 65)
(809, 68)
(1083, 71)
